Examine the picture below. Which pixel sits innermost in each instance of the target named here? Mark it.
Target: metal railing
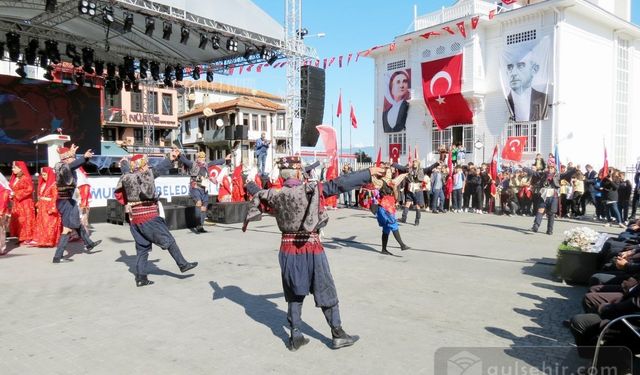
(463, 9)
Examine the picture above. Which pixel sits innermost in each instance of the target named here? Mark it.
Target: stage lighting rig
(20, 70)
(209, 75)
(273, 58)
(44, 61)
(195, 74)
(167, 29)
(135, 86)
(149, 26)
(215, 41)
(128, 22)
(107, 15)
(232, 45)
(122, 71)
(70, 50)
(264, 53)
(99, 64)
(203, 41)
(179, 72)
(13, 45)
(79, 77)
(48, 74)
(51, 47)
(31, 52)
(184, 35)
(155, 70)
(87, 59)
(111, 70)
(1, 50)
(144, 66)
(87, 8)
(248, 51)
(50, 5)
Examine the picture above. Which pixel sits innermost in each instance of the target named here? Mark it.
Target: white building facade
(593, 84)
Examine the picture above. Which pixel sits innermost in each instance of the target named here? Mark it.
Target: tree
(362, 157)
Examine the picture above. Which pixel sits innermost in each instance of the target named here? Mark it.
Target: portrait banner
(525, 74)
(396, 96)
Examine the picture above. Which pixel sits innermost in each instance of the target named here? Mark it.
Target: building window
(525, 129)
(441, 138)
(152, 104)
(396, 65)
(620, 136)
(136, 101)
(137, 135)
(254, 122)
(167, 104)
(263, 123)
(401, 138)
(187, 127)
(245, 119)
(109, 134)
(280, 124)
(521, 37)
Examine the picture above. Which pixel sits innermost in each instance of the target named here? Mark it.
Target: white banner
(102, 188)
(524, 72)
(297, 136)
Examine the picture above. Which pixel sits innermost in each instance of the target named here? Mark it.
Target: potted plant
(577, 259)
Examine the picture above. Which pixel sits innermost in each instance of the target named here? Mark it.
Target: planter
(575, 266)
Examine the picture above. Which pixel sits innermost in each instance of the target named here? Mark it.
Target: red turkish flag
(339, 111)
(463, 31)
(604, 172)
(214, 171)
(441, 85)
(379, 158)
(354, 120)
(394, 151)
(513, 148)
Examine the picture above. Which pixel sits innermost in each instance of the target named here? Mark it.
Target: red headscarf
(25, 172)
(51, 178)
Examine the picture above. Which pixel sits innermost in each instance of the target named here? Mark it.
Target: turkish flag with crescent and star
(394, 152)
(513, 148)
(214, 172)
(441, 86)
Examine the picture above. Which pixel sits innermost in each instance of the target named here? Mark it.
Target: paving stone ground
(470, 281)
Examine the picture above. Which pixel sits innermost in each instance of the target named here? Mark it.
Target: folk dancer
(199, 171)
(386, 212)
(300, 214)
(66, 181)
(137, 189)
(48, 221)
(413, 189)
(23, 218)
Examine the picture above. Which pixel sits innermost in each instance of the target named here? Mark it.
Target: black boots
(417, 216)
(405, 212)
(550, 220)
(297, 340)
(92, 245)
(142, 280)
(341, 339)
(396, 235)
(188, 266)
(200, 229)
(385, 241)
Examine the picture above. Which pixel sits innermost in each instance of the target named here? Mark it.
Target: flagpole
(332, 115)
(340, 151)
(350, 127)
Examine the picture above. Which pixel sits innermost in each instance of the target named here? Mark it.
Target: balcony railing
(463, 9)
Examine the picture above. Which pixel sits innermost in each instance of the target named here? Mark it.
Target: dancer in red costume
(48, 222)
(23, 212)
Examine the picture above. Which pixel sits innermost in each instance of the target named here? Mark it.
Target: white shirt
(522, 104)
(392, 114)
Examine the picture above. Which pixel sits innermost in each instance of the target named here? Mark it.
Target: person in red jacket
(224, 186)
(48, 222)
(5, 197)
(23, 212)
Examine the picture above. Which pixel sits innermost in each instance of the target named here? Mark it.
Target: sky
(350, 26)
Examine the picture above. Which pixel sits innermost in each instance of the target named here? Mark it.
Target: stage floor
(471, 280)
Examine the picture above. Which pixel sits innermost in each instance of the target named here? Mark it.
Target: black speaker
(311, 103)
(228, 133)
(241, 132)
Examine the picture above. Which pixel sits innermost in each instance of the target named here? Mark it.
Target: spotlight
(87, 59)
(166, 31)
(184, 35)
(150, 25)
(122, 72)
(48, 75)
(127, 86)
(51, 47)
(155, 70)
(76, 61)
(273, 58)
(107, 15)
(111, 70)
(135, 86)
(1, 50)
(302, 33)
(13, 45)
(248, 52)
(203, 41)
(129, 66)
(167, 82)
(50, 5)
(79, 77)
(44, 61)
(232, 45)
(20, 70)
(86, 7)
(179, 72)
(99, 67)
(128, 22)
(195, 74)
(70, 50)
(144, 65)
(264, 53)
(209, 76)
(215, 41)
(118, 84)
(30, 53)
